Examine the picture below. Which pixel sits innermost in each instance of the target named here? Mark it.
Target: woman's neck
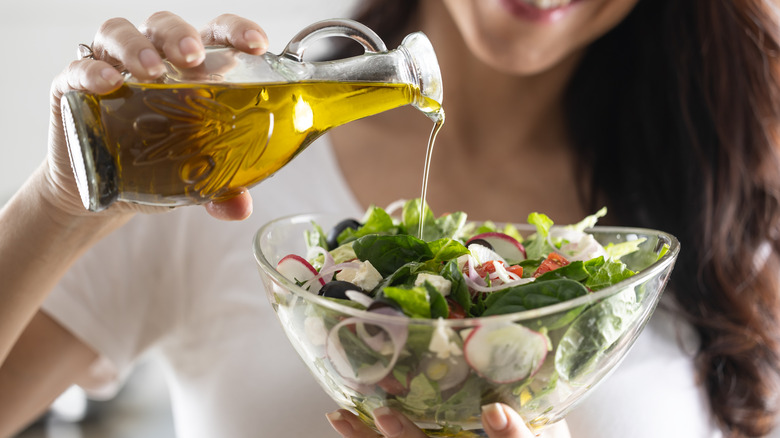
(503, 151)
(480, 99)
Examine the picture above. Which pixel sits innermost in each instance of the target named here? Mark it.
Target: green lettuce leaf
(538, 247)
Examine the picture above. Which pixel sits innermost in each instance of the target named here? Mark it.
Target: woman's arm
(44, 362)
(44, 228)
(38, 243)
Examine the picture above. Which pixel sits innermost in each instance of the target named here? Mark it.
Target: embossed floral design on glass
(209, 132)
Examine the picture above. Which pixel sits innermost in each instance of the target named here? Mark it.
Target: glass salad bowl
(439, 372)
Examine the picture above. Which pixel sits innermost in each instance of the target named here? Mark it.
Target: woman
(672, 119)
(559, 110)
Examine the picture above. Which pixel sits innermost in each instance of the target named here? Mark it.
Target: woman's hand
(119, 45)
(498, 420)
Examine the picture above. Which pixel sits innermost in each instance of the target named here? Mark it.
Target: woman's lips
(526, 11)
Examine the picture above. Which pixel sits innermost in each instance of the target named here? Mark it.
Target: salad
(441, 372)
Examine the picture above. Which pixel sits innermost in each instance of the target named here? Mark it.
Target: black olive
(338, 289)
(381, 302)
(481, 242)
(338, 229)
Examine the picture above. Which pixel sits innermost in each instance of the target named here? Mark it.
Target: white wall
(41, 37)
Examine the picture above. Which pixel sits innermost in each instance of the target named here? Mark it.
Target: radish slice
(505, 245)
(506, 352)
(366, 374)
(298, 269)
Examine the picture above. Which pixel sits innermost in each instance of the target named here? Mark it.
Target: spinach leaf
(423, 397)
(377, 221)
(388, 253)
(446, 249)
(459, 291)
(573, 271)
(411, 219)
(404, 275)
(439, 307)
(534, 295)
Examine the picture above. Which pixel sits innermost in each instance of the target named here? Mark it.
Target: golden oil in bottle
(176, 144)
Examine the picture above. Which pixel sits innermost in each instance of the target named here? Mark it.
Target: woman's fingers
(120, 43)
(500, 421)
(86, 74)
(140, 51)
(391, 423)
(232, 30)
(175, 38)
(394, 425)
(349, 426)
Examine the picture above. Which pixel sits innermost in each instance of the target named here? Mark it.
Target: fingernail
(111, 76)
(495, 416)
(255, 39)
(387, 422)
(191, 49)
(152, 62)
(338, 422)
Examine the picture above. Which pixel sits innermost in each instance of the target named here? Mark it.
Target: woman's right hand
(119, 45)
(498, 421)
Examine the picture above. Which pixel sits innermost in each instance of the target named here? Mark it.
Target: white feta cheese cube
(441, 284)
(366, 277)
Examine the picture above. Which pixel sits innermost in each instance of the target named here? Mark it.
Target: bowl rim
(666, 261)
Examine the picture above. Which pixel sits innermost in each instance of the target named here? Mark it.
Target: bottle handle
(333, 28)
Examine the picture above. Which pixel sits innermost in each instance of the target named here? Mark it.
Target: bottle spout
(426, 72)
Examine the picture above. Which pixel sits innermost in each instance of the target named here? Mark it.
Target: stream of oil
(438, 123)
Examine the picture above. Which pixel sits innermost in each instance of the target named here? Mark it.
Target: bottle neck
(397, 67)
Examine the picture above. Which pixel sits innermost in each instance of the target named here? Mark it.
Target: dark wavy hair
(676, 111)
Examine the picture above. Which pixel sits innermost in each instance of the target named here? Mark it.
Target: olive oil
(438, 119)
(176, 144)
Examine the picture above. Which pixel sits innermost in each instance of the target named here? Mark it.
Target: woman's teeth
(547, 4)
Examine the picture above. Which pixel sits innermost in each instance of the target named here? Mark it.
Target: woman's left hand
(498, 420)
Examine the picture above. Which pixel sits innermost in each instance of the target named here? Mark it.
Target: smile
(539, 11)
(547, 4)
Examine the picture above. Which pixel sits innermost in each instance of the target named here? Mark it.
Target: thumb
(236, 208)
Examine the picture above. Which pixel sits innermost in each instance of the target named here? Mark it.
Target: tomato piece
(456, 310)
(551, 263)
(488, 267)
(516, 269)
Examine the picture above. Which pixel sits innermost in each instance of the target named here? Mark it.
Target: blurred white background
(42, 39)
(42, 36)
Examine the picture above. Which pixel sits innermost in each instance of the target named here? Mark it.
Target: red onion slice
(370, 373)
